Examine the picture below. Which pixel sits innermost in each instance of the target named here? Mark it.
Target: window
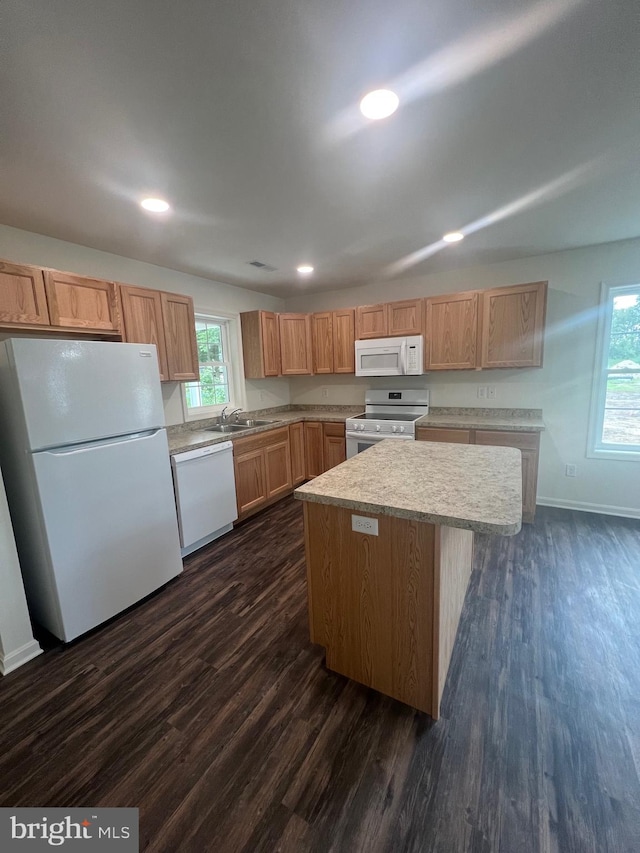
(615, 422)
(215, 388)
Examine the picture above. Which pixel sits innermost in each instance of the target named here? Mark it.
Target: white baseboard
(19, 656)
(582, 506)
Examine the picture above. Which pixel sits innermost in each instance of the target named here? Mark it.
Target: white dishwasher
(205, 489)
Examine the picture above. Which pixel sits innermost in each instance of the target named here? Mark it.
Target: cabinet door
(313, 449)
(295, 344)
(512, 325)
(335, 448)
(277, 462)
(372, 321)
(142, 321)
(529, 445)
(251, 481)
(296, 441)
(180, 337)
(322, 337)
(22, 295)
(344, 336)
(270, 337)
(451, 332)
(83, 303)
(405, 317)
(453, 436)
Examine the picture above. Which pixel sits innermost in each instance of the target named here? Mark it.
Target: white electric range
(387, 414)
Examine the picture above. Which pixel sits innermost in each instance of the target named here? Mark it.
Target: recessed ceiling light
(379, 104)
(305, 269)
(155, 205)
(453, 237)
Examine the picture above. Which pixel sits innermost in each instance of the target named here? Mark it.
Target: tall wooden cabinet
(295, 344)
(22, 295)
(451, 332)
(260, 344)
(512, 325)
(85, 303)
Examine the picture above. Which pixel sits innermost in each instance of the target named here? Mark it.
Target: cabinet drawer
(336, 430)
(455, 436)
(263, 439)
(500, 438)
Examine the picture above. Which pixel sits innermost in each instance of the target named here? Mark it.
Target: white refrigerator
(85, 459)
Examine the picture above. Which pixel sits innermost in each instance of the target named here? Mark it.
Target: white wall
(17, 645)
(209, 297)
(562, 388)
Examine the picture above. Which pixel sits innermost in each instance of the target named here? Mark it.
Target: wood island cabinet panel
(313, 449)
(372, 321)
(180, 337)
(296, 442)
(85, 303)
(451, 332)
(344, 336)
(335, 446)
(529, 445)
(512, 325)
(322, 337)
(260, 344)
(251, 488)
(22, 295)
(453, 436)
(295, 344)
(405, 317)
(143, 321)
(277, 463)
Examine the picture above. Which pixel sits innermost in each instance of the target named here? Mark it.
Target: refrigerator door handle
(101, 442)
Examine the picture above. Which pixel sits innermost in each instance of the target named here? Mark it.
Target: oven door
(357, 441)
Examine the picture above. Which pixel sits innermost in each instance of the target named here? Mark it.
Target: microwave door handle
(403, 357)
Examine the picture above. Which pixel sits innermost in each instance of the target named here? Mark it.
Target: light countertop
(456, 485)
(509, 420)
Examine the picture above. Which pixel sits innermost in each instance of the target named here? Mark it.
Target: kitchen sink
(228, 428)
(251, 422)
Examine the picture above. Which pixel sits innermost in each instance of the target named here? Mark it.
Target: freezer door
(75, 391)
(111, 527)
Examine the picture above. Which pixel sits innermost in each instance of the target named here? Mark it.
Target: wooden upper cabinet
(322, 339)
(180, 337)
(372, 321)
(22, 295)
(333, 336)
(512, 325)
(451, 332)
(295, 344)
(344, 336)
(79, 302)
(260, 344)
(405, 317)
(143, 323)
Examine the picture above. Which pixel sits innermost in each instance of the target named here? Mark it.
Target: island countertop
(474, 487)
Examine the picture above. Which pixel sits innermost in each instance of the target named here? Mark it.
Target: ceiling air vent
(264, 267)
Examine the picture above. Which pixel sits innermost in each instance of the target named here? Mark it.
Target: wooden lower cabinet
(296, 441)
(335, 449)
(262, 469)
(528, 443)
(313, 450)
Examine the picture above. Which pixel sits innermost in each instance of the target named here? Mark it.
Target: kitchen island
(389, 549)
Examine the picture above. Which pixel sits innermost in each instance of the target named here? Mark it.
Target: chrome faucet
(224, 419)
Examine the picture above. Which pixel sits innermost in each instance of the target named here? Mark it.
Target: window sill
(619, 455)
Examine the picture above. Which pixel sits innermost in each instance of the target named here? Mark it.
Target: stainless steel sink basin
(252, 422)
(228, 428)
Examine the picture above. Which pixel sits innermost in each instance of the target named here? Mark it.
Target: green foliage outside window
(213, 388)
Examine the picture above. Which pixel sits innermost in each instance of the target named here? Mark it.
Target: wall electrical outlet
(570, 471)
(482, 392)
(325, 393)
(364, 525)
(491, 392)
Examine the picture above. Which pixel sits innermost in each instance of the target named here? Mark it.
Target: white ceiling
(519, 123)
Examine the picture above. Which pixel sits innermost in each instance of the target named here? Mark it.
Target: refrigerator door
(110, 528)
(76, 391)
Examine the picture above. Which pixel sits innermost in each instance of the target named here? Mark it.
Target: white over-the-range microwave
(390, 356)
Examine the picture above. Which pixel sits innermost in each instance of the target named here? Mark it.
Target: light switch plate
(361, 524)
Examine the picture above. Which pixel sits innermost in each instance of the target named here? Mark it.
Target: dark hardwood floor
(207, 708)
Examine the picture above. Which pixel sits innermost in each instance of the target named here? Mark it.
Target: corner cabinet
(23, 299)
(512, 325)
(260, 344)
(84, 303)
(451, 332)
(166, 320)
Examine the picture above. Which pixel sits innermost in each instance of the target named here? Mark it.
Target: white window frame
(597, 449)
(228, 323)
